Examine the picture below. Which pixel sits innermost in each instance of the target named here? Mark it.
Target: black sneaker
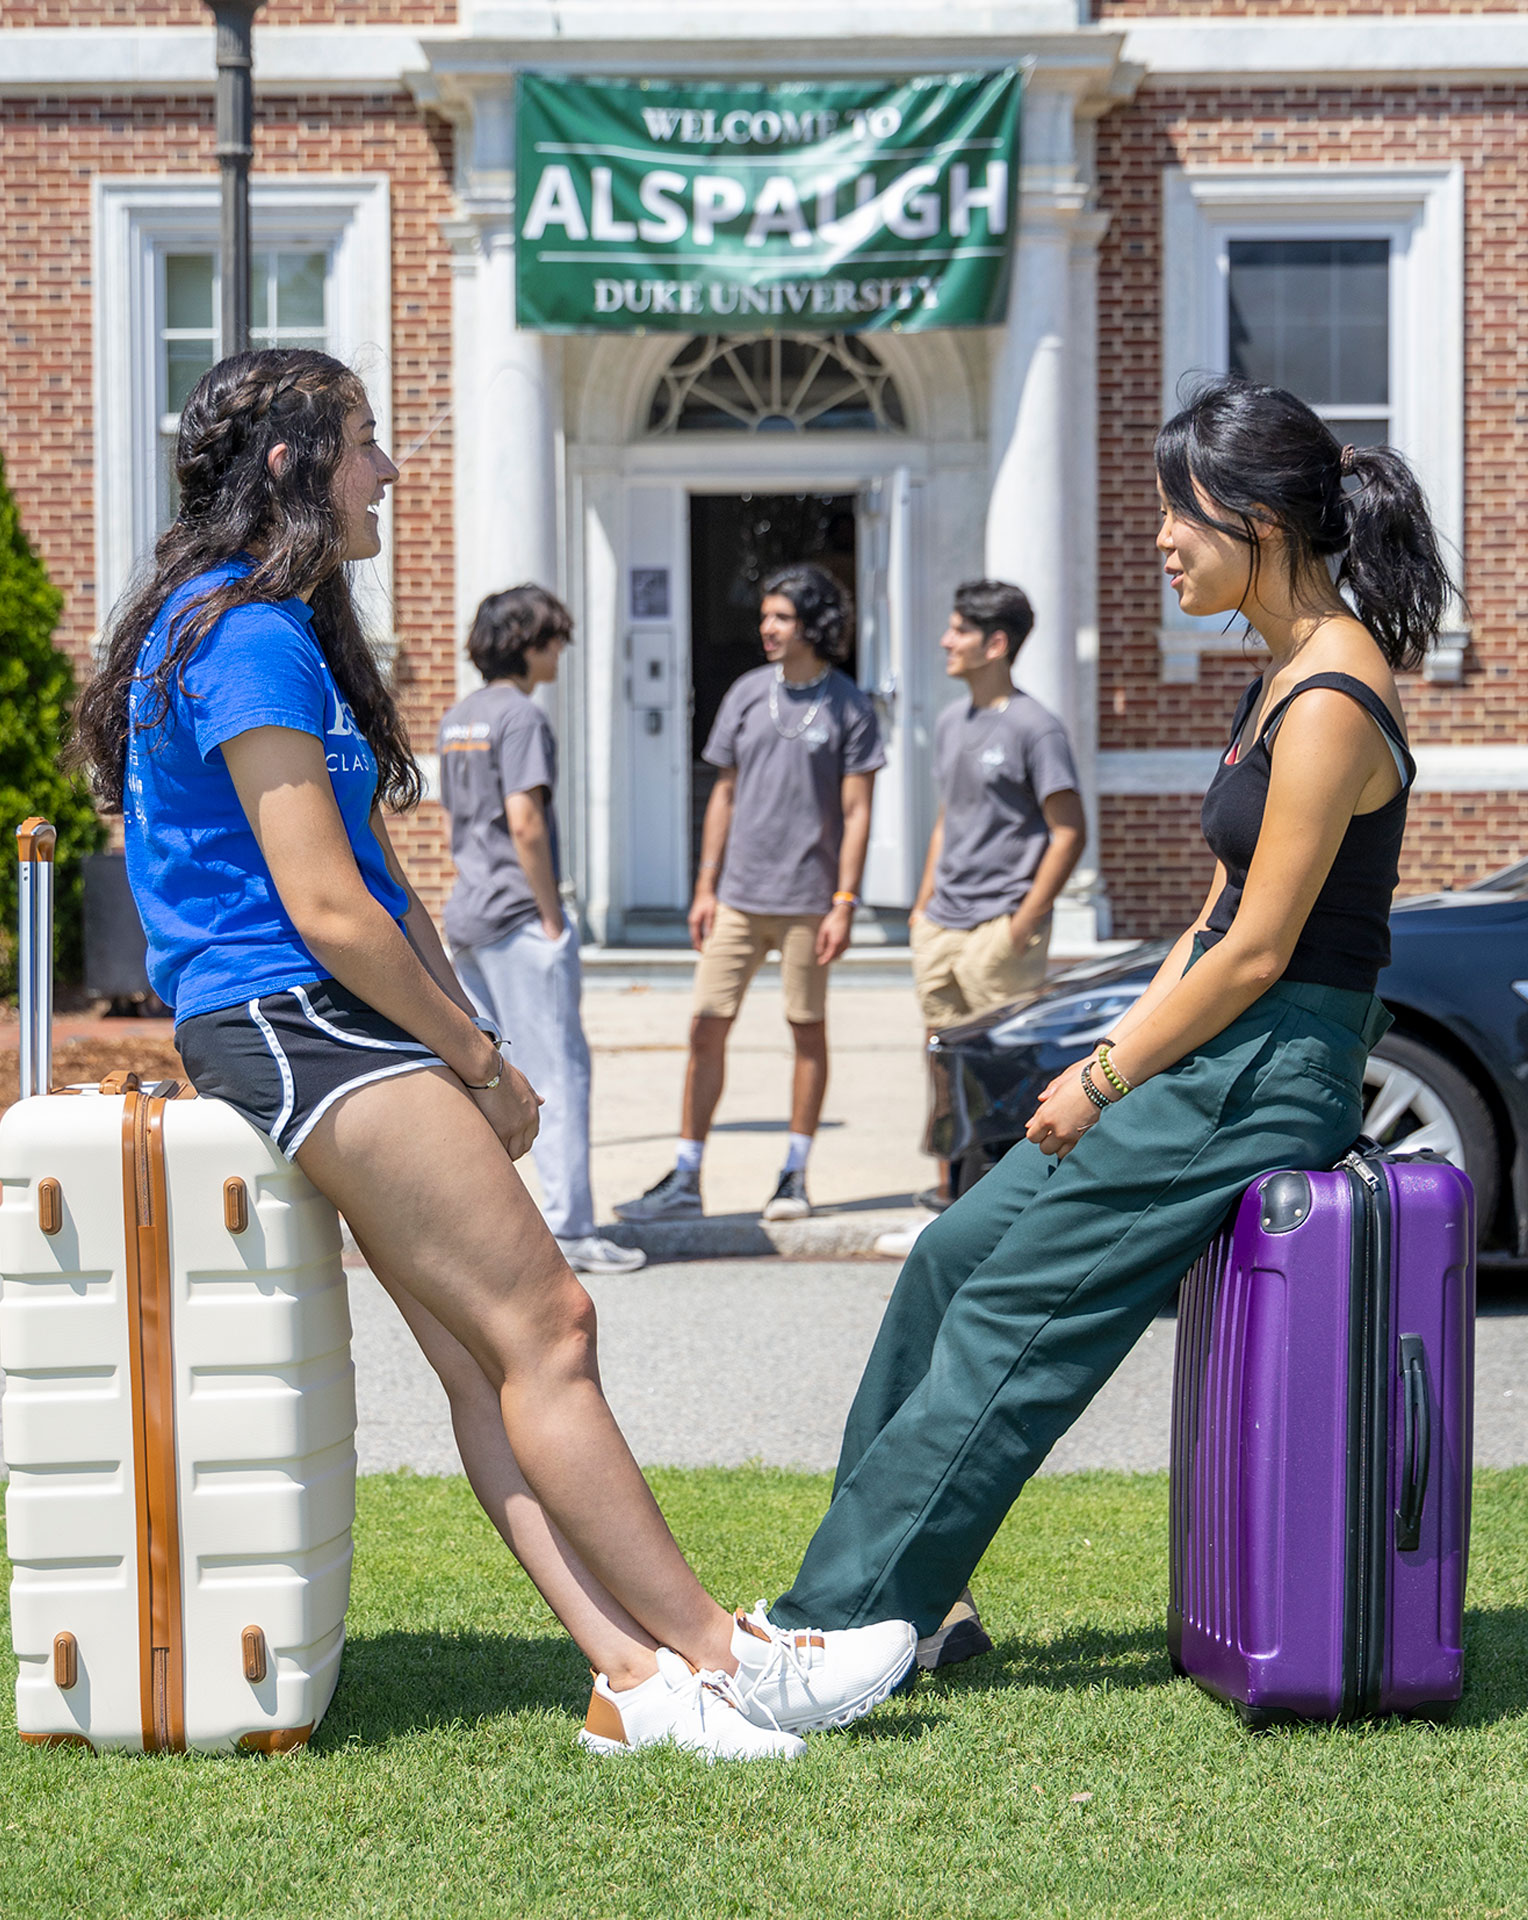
(959, 1636)
(675, 1197)
(933, 1199)
(789, 1201)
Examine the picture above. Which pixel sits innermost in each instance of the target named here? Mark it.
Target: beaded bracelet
(1100, 1100)
(1110, 1072)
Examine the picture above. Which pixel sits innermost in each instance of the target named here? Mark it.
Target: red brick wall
(193, 13)
(1154, 860)
(1483, 129)
(1159, 869)
(53, 149)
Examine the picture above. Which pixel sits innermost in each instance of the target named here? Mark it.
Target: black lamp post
(235, 149)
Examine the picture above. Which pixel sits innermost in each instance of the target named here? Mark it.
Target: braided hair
(286, 522)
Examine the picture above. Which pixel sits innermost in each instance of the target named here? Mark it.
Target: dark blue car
(1452, 1074)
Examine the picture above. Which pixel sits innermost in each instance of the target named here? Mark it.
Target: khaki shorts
(959, 972)
(735, 951)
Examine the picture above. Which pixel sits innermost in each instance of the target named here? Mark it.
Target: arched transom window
(782, 383)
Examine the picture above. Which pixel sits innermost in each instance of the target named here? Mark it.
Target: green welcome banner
(709, 206)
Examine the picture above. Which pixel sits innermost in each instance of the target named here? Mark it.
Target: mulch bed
(80, 1062)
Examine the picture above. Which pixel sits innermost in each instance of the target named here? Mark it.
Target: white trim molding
(1380, 48)
(1421, 213)
(134, 220)
(1156, 772)
(139, 60)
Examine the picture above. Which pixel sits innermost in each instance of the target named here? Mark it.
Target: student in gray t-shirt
(1009, 832)
(782, 854)
(1010, 827)
(514, 947)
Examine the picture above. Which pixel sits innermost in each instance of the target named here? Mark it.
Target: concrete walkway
(866, 1165)
(720, 1362)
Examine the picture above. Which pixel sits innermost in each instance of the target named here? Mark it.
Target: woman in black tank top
(1328, 553)
(1246, 1053)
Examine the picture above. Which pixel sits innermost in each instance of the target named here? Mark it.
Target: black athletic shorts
(284, 1060)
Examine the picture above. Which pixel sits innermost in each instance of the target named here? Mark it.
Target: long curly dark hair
(822, 606)
(231, 504)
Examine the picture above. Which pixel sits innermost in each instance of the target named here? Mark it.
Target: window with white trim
(288, 300)
(320, 277)
(1346, 288)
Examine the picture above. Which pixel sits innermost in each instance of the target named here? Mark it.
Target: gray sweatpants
(529, 987)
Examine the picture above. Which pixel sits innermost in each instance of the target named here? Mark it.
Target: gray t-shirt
(494, 743)
(788, 818)
(995, 767)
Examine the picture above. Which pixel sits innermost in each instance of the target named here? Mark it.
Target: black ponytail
(1259, 453)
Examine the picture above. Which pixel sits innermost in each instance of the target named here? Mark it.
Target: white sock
(687, 1159)
(797, 1147)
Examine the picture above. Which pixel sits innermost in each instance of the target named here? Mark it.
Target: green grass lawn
(1065, 1773)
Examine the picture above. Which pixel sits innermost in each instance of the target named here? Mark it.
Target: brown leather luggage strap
(152, 1364)
(133, 1288)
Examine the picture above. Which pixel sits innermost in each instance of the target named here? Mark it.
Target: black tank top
(1346, 939)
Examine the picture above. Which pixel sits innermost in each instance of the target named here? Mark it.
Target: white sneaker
(898, 1243)
(804, 1680)
(591, 1254)
(699, 1712)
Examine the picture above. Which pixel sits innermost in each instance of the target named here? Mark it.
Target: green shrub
(36, 694)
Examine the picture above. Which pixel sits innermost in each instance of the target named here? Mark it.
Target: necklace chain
(805, 686)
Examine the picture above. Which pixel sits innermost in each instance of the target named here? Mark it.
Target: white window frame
(1421, 214)
(138, 220)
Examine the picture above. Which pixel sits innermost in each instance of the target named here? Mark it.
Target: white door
(886, 535)
(656, 688)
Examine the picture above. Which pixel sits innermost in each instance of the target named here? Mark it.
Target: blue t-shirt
(217, 931)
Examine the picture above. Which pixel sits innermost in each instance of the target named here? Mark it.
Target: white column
(507, 390)
(1029, 537)
(1042, 428)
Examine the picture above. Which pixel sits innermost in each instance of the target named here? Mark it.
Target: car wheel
(1415, 1099)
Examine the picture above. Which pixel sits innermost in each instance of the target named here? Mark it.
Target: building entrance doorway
(736, 541)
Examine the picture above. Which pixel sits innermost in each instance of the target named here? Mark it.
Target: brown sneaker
(960, 1636)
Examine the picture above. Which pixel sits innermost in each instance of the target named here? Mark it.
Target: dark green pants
(1017, 1304)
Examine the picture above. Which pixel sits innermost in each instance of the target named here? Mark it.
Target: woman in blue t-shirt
(241, 724)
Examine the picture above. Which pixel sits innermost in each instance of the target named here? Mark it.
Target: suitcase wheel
(1436, 1712)
(1263, 1719)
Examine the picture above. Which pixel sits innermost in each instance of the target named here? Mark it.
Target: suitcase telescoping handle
(35, 843)
(1416, 1453)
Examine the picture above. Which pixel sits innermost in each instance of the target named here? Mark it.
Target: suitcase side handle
(1416, 1456)
(36, 840)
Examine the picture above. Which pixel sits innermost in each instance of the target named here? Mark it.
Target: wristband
(846, 899)
(487, 1026)
(1090, 1088)
(1110, 1072)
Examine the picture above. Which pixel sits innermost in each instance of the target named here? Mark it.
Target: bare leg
(705, 1074)
(416, 1169)
(809, 1082)
(605, 1632)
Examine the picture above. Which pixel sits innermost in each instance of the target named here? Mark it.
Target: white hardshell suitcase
(179, 1413)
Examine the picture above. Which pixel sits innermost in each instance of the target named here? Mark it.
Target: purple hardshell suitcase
(1321, 1444)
